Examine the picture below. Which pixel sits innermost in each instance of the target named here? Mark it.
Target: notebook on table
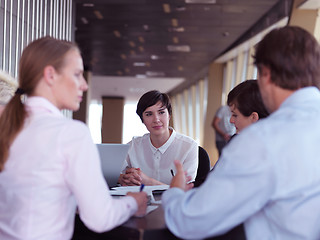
(112, 156)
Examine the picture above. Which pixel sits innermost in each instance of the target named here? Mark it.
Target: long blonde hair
(8, 85)
(35, 57)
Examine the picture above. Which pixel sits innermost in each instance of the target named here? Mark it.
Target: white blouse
(158, 162)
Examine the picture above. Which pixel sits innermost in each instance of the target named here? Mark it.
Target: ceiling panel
(115, 34)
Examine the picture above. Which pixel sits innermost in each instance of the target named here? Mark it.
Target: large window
(132, 125)
(22, 21)
(94, 121)
(189, 110)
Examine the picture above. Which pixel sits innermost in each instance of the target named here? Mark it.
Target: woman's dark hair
(46, 51)
(293, 56)
(151, 98)
(247, 99)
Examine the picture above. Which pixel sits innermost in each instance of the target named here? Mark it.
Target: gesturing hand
(180, 179)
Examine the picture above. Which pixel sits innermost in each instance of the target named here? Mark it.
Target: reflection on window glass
(245, 66)
(233, 73)
(190, 114)
(183, 114)
(255, 72)
(197, 113)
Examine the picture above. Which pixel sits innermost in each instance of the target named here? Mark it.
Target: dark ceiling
(137, 37)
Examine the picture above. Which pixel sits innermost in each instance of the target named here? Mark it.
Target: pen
(141, 187)
(172, 173)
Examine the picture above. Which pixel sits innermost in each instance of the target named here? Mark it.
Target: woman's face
(239, 120)
(70, 83)
(156, 118)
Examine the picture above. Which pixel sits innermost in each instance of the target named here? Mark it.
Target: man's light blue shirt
(268, 178)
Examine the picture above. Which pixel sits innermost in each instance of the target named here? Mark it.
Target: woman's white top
(158, 162)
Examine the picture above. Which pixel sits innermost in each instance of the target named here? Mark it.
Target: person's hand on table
(180, 180)
(135, 177)
(141, 199)
(131, 177)
(146, 180)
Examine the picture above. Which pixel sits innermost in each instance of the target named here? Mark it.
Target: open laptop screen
(112, 156)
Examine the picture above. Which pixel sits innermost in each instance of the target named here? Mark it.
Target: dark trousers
(220, 145)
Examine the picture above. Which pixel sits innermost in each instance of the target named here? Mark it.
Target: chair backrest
(203, 167)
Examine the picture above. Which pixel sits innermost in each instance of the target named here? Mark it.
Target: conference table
(151, 226)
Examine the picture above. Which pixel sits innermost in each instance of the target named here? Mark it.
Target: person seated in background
(49, 165)
(150, 157)
(268, 176)
(8, 86)
(246, 105)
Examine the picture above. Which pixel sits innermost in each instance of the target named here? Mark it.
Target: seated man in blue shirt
(268, 177)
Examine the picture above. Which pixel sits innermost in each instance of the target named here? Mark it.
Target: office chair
(203, 167)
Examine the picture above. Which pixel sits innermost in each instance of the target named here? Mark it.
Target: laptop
(112, 156)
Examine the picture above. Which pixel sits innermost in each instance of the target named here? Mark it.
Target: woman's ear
(49, 74)
(254, 117)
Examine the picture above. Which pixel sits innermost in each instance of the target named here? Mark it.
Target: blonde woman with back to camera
(8, 86)
(49, 165)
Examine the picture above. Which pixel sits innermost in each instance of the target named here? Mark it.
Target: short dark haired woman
(246, 104)
(150, 157)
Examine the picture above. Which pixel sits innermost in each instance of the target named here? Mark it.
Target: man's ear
(265, 73)
(49, 74)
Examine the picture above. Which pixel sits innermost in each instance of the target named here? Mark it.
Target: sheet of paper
(137, 188)
(116, 191)
(148, 189)
(151, 208)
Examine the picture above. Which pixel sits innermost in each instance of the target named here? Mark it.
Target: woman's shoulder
(71, 123)
(72, 127)
(140, 139)
(184, 138)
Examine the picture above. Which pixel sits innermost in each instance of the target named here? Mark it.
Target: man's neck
(279, 96)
